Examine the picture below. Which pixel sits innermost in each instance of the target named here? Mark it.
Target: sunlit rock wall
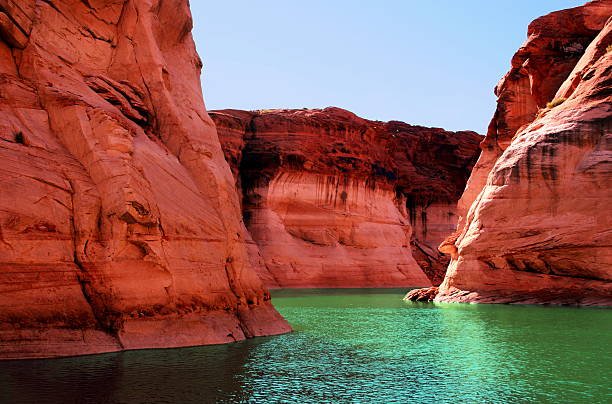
(120, 227)
(333, 200)
(535, 217)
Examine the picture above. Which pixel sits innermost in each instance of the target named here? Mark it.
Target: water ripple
(353, 346)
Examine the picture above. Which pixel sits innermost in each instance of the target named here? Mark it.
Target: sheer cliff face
(535, 217)
(119, 222)
(333, 200)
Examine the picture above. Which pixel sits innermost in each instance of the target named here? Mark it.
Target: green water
(356, 345)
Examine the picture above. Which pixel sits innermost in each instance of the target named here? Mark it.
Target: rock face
(333, 200)
(535, 223)
(119, 222)
(422, 295)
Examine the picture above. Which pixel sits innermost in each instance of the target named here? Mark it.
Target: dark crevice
(106, 321)
(231, 281)
(19, 138)
(96, 36)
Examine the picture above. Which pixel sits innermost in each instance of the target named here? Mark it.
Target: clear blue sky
(426, 62)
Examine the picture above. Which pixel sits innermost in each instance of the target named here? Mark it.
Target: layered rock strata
(334, 200)
(119, 222)
(535, 223)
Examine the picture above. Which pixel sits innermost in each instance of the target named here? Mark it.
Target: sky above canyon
(431, 63)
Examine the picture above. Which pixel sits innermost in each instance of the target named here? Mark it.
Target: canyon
(334, 200)
(534, 220)
(119, 221)
(132, 218)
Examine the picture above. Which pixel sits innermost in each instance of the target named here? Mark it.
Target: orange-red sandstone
(334, 200)
(535, 223)
(119, 221)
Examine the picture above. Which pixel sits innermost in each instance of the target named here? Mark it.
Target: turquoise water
(353, 345)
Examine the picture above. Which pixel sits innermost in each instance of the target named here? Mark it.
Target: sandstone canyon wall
(334, 200)
(119, 222)
(535, 223)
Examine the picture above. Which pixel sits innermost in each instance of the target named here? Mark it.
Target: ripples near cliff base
(353, 345)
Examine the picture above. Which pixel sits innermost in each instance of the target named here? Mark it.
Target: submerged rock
(119, 222)
(334, 200)
(535, 217)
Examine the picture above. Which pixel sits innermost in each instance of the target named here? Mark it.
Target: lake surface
(353, 345)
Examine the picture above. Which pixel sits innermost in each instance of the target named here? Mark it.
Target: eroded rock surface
(535, 222)
(334, 200)
(119, 222)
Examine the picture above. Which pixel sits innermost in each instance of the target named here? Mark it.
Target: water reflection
(188, 375)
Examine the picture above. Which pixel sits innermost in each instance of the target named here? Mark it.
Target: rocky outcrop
(119, 222)
(422, 295)
(534, 220)
(334, 200)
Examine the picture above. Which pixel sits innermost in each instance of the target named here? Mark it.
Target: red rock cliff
(119, 222)
(334, 200)
(535, 217)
